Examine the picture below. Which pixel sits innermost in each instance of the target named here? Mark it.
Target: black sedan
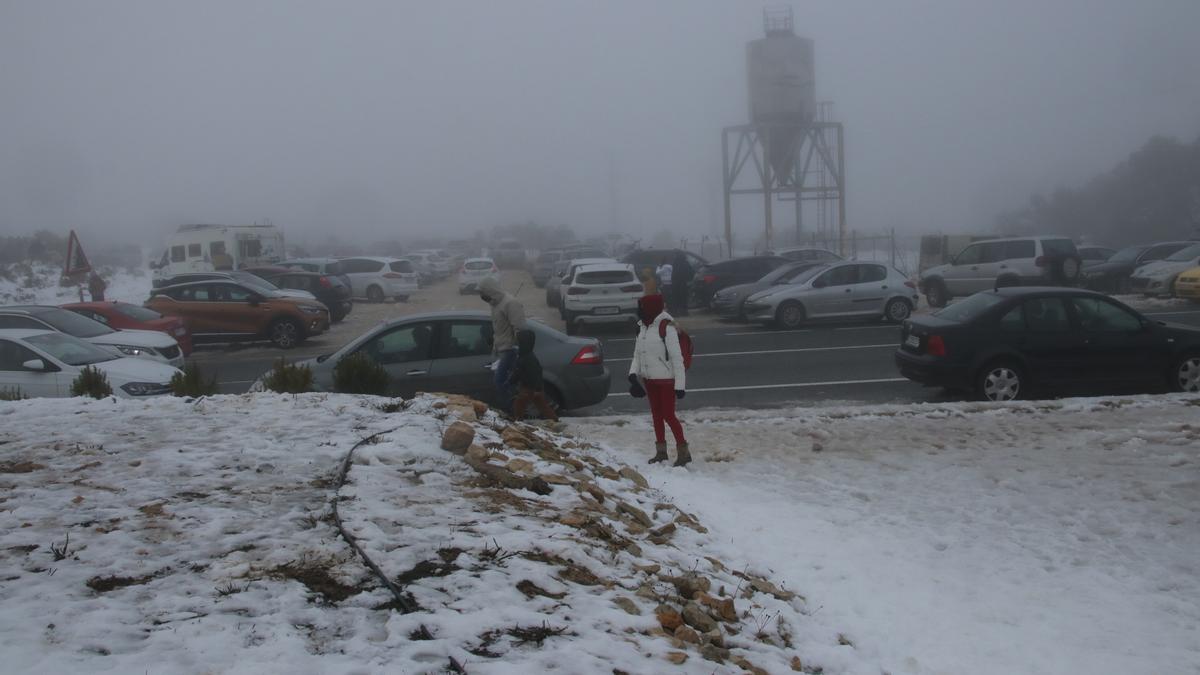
(1112, 275)
(1001, 344)
(329, 289)
(715, 276)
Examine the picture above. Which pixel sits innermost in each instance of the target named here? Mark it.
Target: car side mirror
(36, 365)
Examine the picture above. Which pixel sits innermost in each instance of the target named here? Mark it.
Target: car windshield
(1059, 246)
(806, 275)
(479, 265)
(604, 277)
(73, 324)
(70, 350)
(970, 308)
(1185, 254)
(334, 268)
(136, 313)
(1127, 254)
(549, 256)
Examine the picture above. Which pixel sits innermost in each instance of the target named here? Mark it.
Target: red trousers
(661, 394)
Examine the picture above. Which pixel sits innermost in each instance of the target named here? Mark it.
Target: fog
(393, 119)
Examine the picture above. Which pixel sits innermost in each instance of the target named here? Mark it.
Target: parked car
(543, 266)
(1025, 261)
(554, 285)
(451, 351)
(808, 254)
(713, 277)
(474, 271)
(124, 316)
(731, 302)
(228, 311)
(1112, 275)
(327, 266)
(1091, 255)
(42, 363)
(376, 279)
(328, 289)
(146, 344)
(508, 254)
(240, 276)
(430, 266)
(845, 290)
(1158, 278)
(643, 258)
(600, 293)
(1187, 285)
(1002, 344)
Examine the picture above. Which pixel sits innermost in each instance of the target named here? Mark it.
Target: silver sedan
(845, 290)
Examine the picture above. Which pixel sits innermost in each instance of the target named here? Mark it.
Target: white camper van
(209, 248)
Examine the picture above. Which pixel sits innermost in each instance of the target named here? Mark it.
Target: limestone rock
(697, 618)
(519, 466)
(458, 438)
(628, 473)
(744, 663)
(722, 607)
(628, 605)
(797, 664)
(688, 635)
(635, 513)
(648, 569)
(477, 452)
(714, 653)
(764, 586)
(677, 658)
(480, 408)
(605, 472)
(690, 584)
(556, 479)
(715, 637)
(513, 438)
(668, 617)
(499, 457)
(462, 412)
(663, 534)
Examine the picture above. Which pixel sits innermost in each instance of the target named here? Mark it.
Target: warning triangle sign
(77, 263)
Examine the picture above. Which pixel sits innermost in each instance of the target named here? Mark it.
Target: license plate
(608, 310)
(913, 341)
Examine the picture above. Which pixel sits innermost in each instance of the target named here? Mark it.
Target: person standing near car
(96, 287)
(527, 375)
(681, 274)
(664, 281)
(508, 317)
(658, 374)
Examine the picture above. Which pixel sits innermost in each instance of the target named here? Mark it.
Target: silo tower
(795, 149)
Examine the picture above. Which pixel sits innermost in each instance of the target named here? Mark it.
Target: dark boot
(660, 453)
(682, 455)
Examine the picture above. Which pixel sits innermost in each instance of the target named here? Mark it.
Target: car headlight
(311, 310)
(145, 388)
(131, 350)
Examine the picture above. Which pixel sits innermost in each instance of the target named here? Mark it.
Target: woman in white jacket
(657, 373)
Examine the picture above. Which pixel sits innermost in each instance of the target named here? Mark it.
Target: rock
(697, 618)
(663, 534)
(744, 663)
(678, 658)
(648, 569)
(668, 617)
(556, 479)
(722, 607)
(687, 635)
(690, 584)
(628, 473)
(605, 472)
(690, 522)
(480, 408)
(633, 549)
(462, 412)
(714, 653)
(764, 586)
(628, 605)
(635, 529)
(797, 664)
(439, 405)
(458, 438)
(715, 563)
(574, 520)
(715, 637)
(499, 457)
(593, 490)
(477, 452)
(519, 466)
(575, 464)
(514, 438)
(817, 447)
(647, 592)
(635, 513)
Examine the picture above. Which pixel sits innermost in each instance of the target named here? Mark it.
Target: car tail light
(392, 275)
(910, 285)
(325, 283)
(588, 356)
(632, 288)
(935, 346)
(577, 290)
(709, 278)
(1041, 261)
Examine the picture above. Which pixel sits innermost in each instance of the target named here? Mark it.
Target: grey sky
(378, 119)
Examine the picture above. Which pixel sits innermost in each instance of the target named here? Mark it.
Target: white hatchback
(474, 271)
(377, 279)
(600, 293)
(40, 363)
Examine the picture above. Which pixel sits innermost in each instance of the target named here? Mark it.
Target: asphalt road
(736, 365)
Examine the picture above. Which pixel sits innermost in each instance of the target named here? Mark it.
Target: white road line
(1195, 311)
(770, 332)
(890, 345)
(869, 328)
(784, 386)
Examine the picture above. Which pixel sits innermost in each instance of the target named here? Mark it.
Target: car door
(870, 291)
(1012, 258)
(961, 277)
(833, 292)
(462, 354)
(1118, 346)
(1051, 344)
(15, 377)
(357, 270)
(405, 352)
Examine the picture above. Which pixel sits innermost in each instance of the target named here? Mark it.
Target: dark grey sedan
(730, 303)
(450, 352)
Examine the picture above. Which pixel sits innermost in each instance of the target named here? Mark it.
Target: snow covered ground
(38, 285)
(1049, 537)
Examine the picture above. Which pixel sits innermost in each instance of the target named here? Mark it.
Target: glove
(679, 393)
(636, 390)
(633, 379)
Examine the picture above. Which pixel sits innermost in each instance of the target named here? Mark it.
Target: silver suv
(984, 265)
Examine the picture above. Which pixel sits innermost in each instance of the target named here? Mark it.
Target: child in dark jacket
(527, 376)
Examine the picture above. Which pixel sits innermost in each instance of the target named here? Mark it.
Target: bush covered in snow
(91, 382)
(360, 374)
(287, 378)
(192, 383)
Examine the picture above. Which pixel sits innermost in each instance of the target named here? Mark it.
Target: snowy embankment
(1044, 537)
(38, 284)
(170, 536)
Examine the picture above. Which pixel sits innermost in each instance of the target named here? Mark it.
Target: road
(736, 365)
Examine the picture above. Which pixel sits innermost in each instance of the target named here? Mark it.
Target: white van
(215, 248)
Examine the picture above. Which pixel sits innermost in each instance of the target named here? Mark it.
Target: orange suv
(228, 311)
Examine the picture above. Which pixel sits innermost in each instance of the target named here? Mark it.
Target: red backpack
(685, 343)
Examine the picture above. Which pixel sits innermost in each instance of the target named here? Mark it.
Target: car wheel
(897, 310)
(374, 294)
(337, 318)
(935, 294)
(1000, 381)
(1185, 376)
(790, 314)
(285, 333)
